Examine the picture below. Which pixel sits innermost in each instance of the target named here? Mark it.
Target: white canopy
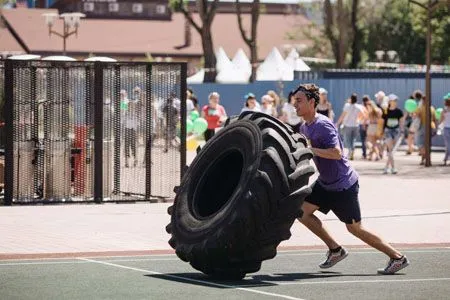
(24, 57)
(100, 58)
(293, 59)
(197, 77)
(222, 60)
(59, 58)
(241, 61)
(274, 68)
(232, 74)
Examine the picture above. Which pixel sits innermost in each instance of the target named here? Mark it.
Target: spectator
(373, 115)
(190, 105)
(420, 133)
(214, 113)
(268, 106)
(382, 100)
(289, 113)
(276, 101)
(393, 125)
(350, 118)
(251, 104)
(171, 111)
(324, 107)
(364, 124)
(130, 119)
(445, 122)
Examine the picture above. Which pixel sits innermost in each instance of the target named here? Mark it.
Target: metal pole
(98, 132)
(148, 131)
(9, 131)
(183, 76)
(428, 91)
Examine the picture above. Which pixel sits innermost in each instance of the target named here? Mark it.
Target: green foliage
(402, 27)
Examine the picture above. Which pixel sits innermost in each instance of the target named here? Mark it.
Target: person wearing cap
(337, 187)
(324, 107)
(251, 104)
(393, 128)
(445, 123)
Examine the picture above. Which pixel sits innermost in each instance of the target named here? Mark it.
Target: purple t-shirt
(334, 175)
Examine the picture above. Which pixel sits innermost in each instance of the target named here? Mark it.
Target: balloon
(410, 105)
(194, 115)
(200, 126)
(123, 105)
(438, 113)
(189, 126)
(191, 144)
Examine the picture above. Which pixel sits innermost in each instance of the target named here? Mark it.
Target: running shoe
(333, 258)
(394, 265)
(394, 171)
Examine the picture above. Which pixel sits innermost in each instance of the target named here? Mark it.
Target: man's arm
(330, 153)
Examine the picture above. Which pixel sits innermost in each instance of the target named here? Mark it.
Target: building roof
(137, 37)
(8, 42)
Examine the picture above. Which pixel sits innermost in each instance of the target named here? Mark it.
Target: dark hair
(447, 102)
(353, 98)
(194, 100)
(310, 90)
(418, 95)
(190, 91)
(366, 98)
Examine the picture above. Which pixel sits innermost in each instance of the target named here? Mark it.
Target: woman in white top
(350, 118)
(445, 121)
(268, 106)
(251, 104)
(289, 113)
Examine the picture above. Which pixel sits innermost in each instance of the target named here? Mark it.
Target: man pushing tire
(337, 187)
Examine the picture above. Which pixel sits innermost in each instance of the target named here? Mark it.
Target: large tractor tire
(240, 196)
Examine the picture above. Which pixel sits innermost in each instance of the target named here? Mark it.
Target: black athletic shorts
(344, 204)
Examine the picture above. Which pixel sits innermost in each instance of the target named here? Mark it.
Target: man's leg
(314, 224)
(373, 240)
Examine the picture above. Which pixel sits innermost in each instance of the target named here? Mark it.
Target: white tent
(100, 58)
(222, 60)
(274, 68)
(241, 61)
(293, 59)
(24, 57)
(59, 58)
(197, 77)
(232, 74)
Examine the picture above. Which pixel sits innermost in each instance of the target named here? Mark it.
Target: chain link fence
(85, 131)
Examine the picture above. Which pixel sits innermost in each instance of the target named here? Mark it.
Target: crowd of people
(379, 123)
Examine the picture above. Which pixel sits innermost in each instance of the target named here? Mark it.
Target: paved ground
(410, 209)
(291, 275)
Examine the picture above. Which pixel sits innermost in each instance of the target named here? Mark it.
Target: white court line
(193, 280)
(174, 258)
(354, 281)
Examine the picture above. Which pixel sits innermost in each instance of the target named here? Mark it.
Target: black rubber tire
(240, 196)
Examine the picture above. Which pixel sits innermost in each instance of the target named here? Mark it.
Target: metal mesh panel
(166, 104)
(56, 108)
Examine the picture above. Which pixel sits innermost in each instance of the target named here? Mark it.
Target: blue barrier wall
(232, 95)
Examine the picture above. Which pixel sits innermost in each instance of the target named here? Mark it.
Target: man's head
(353, 98)
(418, 95)
(392, 101)
(306, 99)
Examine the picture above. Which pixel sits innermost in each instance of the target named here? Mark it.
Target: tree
(207, 12)
(401, 27)
(252, 40)
(337, 29)
(357, 36)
